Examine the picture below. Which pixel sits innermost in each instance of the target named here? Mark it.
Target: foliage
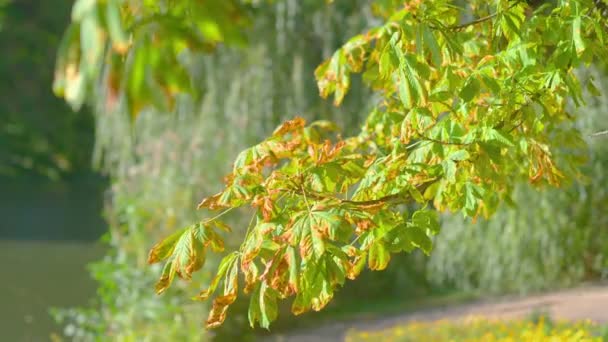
(161, 161)
(546, 239)
(121, 47)
(466, 110)
(479, 329)
(39, 134)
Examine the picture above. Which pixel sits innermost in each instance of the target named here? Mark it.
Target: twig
(422, 187)
(217, 216)
(249, 227)
(474, 22)
(442, 142)
(600, 133)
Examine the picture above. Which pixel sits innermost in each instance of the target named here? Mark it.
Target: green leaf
(317, 243)
(449, 169)
(419, 238)
(427, 220)
(473, 194)
(228, 262)
(431, 42)
(115, 28)
(293, 268)
(268, 305)
(378, 256)
(491, 84)
(579, 45)
(405, 92)
(254, 314)
(492, 134)
(164, 249)
(386, 63)
(459, 155)
(470, 89)
(82, 8)
(166, 278)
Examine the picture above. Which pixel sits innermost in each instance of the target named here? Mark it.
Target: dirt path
(589, 302)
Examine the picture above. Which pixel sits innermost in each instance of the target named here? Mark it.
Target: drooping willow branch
(600, 133)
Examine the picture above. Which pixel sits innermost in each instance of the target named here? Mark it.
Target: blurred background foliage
(39, 134)
(162, 163)
(50, 199)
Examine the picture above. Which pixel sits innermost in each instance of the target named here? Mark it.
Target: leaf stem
(217, 216)
(442, 142)
(247, 233)
(474, 22)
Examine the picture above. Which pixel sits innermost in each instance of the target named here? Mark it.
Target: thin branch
(249, 227)
(600, 133)
(305, 199)
(382, 200)
(217, 216)
(517, 126)
(474, 22)
(471, 23)
(442, 142)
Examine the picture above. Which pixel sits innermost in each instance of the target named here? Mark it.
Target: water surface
(48, 234)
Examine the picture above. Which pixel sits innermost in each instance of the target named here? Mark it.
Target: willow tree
(471, 98)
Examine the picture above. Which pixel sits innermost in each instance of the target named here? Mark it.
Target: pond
(48, 235)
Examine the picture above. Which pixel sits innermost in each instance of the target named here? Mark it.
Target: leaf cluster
(123, 49)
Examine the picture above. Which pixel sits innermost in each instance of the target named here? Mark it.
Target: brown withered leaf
(267, 208)
(328, 151)
(280, 278)
(290, 256)
(221, 303)
(227, 263)
(197, 258)
(355, 267)
(211, 238)
(166, 278)
(251, 275)
(301, 303)
(217, 316)
(369, 161)
(306, 247)
(269, 266)
(212, 203)
(324, 297)
(351, 251)
(289, 126)
(264, 203)
(364, 225)
(223, 226)
(225, 300)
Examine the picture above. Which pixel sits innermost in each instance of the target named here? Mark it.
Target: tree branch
(600, 133)
(474, 22)
(382, 200)
(441, 141)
